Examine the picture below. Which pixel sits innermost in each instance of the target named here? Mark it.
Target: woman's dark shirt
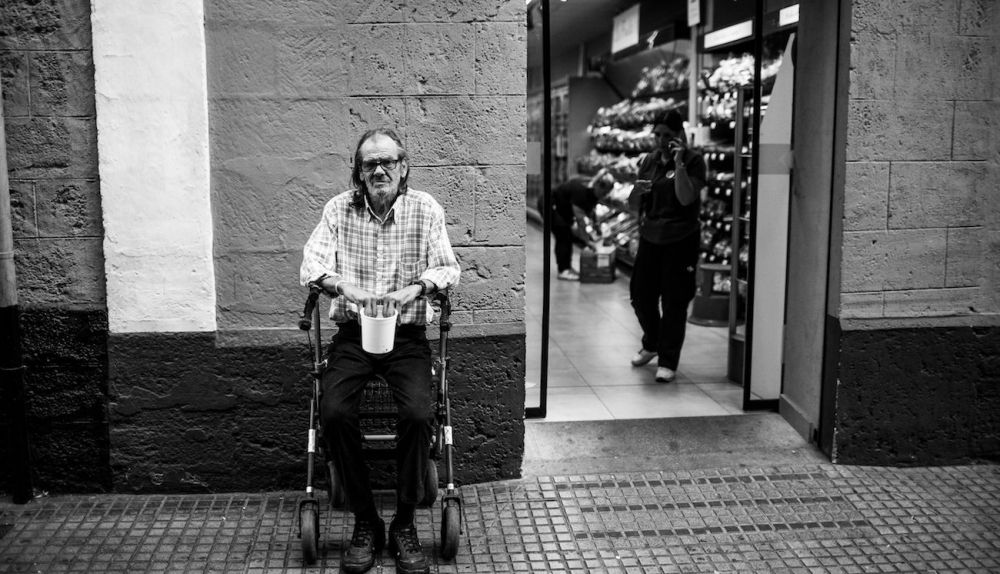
(663, 218)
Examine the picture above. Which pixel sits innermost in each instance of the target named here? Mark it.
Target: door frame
(540, 411)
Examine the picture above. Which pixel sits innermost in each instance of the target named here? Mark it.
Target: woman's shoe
(642, 357)
(665, 375)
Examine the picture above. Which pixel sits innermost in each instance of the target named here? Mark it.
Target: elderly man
(383, 248)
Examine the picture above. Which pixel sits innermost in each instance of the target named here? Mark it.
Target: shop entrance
(605, 71)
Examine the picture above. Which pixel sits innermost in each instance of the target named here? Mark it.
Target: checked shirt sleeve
(319, 255)
(442, 267)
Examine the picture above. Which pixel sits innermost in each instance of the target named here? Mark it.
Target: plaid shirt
(381, 256)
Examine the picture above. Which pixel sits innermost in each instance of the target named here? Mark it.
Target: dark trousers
(407, 369)
(662, 286)
(562, 232)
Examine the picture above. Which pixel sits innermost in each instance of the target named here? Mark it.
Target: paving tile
(812, 518)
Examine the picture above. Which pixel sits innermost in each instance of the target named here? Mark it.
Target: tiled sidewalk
(815, 518)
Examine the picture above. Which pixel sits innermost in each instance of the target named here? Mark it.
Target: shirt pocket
(412, 253)
(409, 271)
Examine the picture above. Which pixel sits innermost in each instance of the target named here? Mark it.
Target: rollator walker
(378, 418)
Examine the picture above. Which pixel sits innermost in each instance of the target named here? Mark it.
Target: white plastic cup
(377, 333)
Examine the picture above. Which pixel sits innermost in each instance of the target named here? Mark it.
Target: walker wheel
(451, 525)
(430, 484)
(309, 531)
(335, 489)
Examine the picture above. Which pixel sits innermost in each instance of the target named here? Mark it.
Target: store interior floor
(593, 334)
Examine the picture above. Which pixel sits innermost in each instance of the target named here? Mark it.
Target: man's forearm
(442, 276)
(331, 283)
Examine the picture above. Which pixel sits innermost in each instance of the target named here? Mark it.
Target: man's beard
(381, 199)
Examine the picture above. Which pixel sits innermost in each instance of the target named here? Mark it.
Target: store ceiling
(578, 21)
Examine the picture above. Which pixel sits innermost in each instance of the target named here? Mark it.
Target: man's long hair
(360, 187)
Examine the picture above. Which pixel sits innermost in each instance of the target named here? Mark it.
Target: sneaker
(368, 541)
(405, 546)
(642, 357)
(569, 275)
(665, 375)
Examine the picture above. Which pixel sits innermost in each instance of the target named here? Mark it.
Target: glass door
(750, 159)
(539, 179)
(760, 191)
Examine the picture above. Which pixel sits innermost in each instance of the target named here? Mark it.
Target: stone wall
(922, 212)
(919, 396)
(291, 87)
(48, 104)
(920, 273)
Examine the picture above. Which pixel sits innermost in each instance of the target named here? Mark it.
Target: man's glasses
(369, 165)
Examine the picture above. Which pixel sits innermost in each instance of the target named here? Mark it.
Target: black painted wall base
(65, 382)
(922, 396)
(188, 415)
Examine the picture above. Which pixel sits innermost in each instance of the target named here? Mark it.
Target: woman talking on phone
(667, 196)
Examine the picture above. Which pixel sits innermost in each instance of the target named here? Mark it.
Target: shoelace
(363, 534)
(407, 538)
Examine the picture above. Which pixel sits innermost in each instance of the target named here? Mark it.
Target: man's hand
(363, 299)
(373, 305)
(394, 301)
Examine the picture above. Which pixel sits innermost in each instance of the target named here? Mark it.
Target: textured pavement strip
(816, 518)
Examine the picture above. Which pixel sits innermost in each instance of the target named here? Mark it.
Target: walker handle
(442, 298)
(305, 319)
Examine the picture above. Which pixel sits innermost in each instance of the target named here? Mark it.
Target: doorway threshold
(635, 445)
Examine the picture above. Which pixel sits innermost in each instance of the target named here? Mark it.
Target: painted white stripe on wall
(152, 139)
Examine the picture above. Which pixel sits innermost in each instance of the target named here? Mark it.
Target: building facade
(166, 165)
(169, 160)
(916, 285)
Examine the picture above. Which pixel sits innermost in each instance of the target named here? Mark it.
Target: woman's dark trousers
(664, 275)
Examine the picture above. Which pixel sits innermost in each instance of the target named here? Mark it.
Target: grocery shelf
(680, 93)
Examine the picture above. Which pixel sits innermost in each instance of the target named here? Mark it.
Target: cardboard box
(597, 266)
